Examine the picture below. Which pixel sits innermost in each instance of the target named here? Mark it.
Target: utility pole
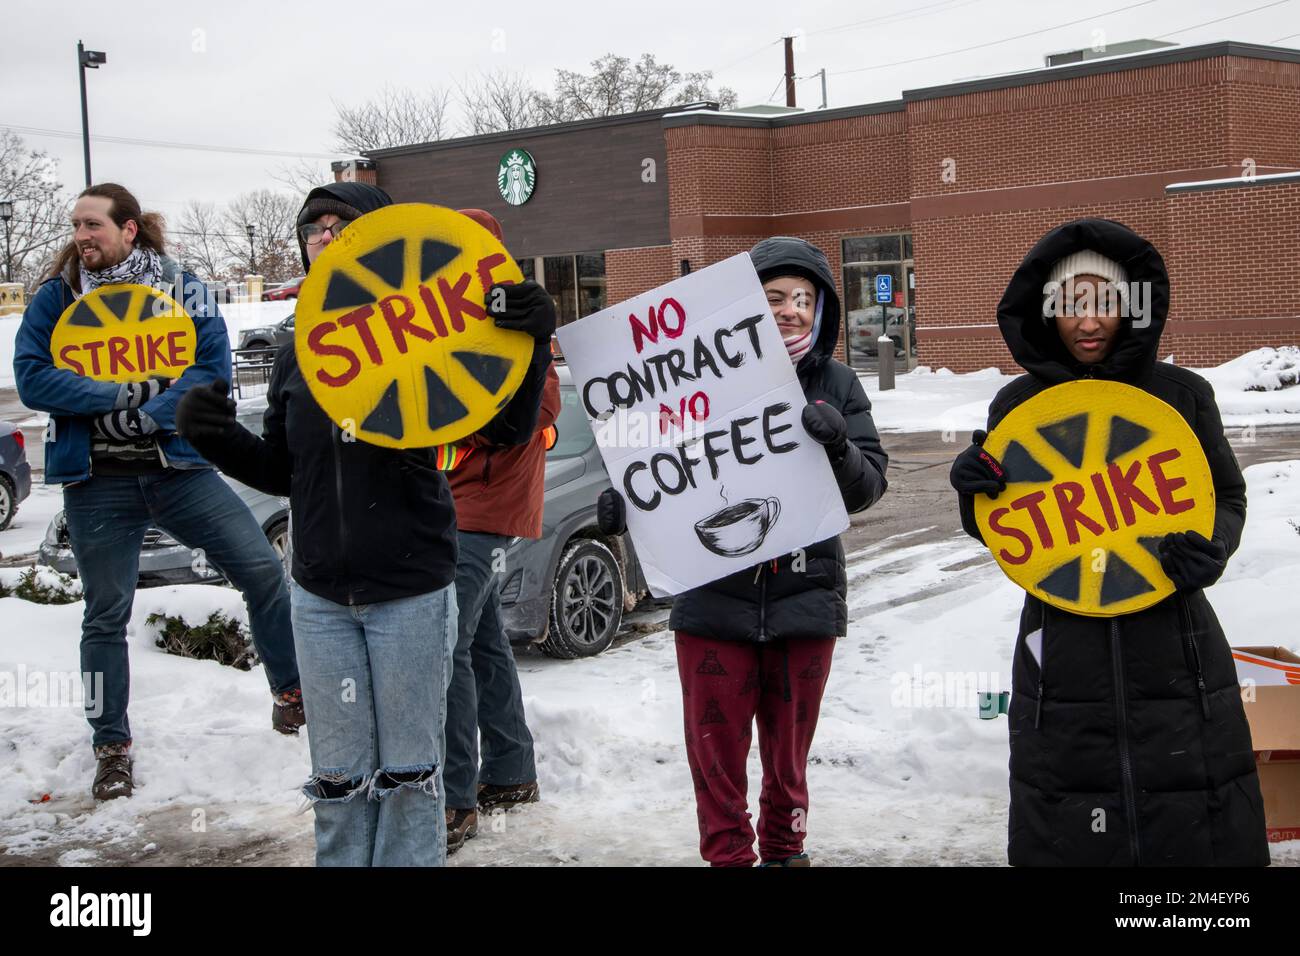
(823, 73)
(92, 60)
(789, 71)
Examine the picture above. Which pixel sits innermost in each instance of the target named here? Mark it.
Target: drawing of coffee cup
(740, 528)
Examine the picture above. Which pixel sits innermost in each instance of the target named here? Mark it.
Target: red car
(285, 290)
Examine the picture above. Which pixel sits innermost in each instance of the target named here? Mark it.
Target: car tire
(278, 536)
(8, 502)
(586, 601)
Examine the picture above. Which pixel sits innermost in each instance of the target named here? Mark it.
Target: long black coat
(1129, 744)
(775, 600)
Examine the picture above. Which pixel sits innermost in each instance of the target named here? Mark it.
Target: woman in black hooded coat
(1129, 743)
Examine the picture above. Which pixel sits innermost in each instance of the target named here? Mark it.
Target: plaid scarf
(143, 267)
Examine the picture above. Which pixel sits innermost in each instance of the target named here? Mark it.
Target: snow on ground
(27, 530)
(1258, 388)
(899, 772)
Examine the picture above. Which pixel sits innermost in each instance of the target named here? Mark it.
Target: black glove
(611, 512)
(975, 470)
(527, 307)
(124, 425)
(135, 394)
(1191, 561)
(826, 426)
(206, 412)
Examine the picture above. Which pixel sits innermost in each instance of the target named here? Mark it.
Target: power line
(897, 16)
(981, 46)
(162, 144)
(1232, 16)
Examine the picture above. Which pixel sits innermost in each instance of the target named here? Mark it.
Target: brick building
(1196, 148)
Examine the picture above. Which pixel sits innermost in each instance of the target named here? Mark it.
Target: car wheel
(587, 603)
(278, 535)
(8, 502)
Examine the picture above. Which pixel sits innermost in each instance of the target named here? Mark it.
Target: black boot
(507, 795)
(113, 772)
(287, 715)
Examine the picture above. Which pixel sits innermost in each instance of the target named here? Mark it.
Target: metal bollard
(885, 360)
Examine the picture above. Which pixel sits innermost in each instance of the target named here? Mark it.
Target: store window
(866, 320)
(575, 282)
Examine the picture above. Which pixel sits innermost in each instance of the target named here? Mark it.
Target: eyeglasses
(313, 233)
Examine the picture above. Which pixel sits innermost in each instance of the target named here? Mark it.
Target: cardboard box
(1271, 696)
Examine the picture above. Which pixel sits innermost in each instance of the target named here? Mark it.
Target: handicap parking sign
(884, 288)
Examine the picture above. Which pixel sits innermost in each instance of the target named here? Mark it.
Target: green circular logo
(517, 176)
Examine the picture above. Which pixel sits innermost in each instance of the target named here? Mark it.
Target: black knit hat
(348, 201)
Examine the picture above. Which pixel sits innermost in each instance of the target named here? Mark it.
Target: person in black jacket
(374, 563)
(759, 642)
(1129, 744)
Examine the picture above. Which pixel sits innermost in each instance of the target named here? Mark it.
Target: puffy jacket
(499, 489)
(774, 601)
(74, 401)
(1137, 716)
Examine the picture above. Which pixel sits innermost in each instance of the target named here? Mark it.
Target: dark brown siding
(589, 196)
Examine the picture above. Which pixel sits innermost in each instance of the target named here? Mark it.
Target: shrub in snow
(1275, 369)
(42, 585)
(220, 638)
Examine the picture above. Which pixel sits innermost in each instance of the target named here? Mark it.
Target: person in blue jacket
(123, 468)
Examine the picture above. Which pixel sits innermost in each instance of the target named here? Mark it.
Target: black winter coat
(774, 601)
(368, 523)
(1129, 744)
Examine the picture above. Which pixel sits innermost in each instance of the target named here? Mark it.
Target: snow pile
(939, 400)
(1258, 388)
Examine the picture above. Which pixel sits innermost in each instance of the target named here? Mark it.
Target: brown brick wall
(629, 272)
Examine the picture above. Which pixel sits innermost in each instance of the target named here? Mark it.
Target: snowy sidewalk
(897, 775)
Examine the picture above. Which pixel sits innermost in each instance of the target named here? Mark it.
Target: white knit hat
(1086, 262)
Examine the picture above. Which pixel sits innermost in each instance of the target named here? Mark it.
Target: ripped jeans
(374, 684)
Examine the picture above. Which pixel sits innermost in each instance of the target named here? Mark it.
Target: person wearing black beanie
(373, 536)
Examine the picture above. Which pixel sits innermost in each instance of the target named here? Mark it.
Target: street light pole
(252, 253)
(87, 59)
(7, 213)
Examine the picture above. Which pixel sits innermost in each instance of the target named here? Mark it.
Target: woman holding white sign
(758, 643)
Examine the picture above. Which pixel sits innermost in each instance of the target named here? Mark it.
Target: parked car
(15, 472)
(865, 328)
(268, 336)
(283, 291)
(568, 590)
(164, 560)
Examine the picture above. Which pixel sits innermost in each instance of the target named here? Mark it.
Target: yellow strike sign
(1097, 474)
(392, 334)
(124, 333)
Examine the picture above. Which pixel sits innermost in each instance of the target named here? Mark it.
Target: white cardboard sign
(696, 409)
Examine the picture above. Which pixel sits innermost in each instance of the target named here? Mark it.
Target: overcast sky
(258, 74)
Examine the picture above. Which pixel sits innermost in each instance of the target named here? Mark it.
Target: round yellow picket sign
(124, 333)
(392, 334)
(1097, 474)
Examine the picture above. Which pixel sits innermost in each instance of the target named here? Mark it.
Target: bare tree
(617, 85)
(393, 118)
(197, 240)
(273, 251)
(500, 101)
(303, 176)
(30, 180)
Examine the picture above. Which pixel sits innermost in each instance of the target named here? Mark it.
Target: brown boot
(505, 796)
(462, 825)
(112, 772)
(287, 715)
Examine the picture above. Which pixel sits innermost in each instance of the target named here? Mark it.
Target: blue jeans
(374, 683)
(107, 518)
(484, 696)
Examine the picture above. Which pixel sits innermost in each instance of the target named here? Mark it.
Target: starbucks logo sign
(517, 176)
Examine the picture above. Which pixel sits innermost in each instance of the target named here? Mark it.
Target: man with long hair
(123, 468)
